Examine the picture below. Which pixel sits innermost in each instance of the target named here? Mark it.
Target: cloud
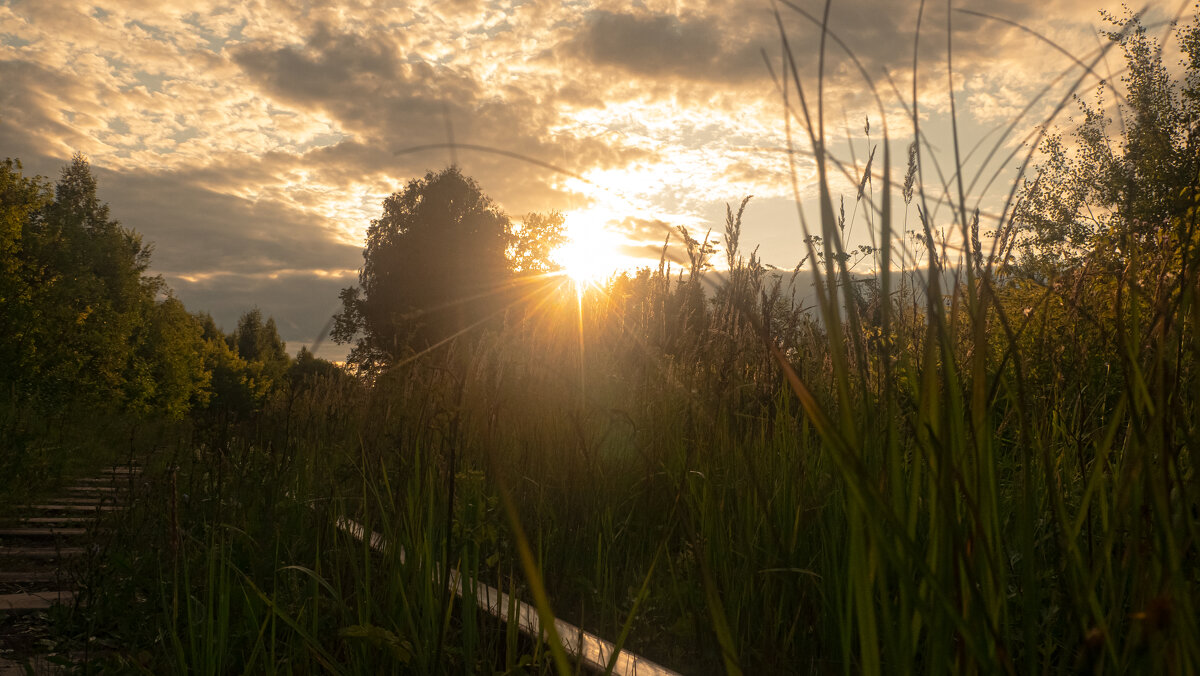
(345, 74)
(648, 231)
(390, 98)
(695, 47)
(207, 231)
(31, 114)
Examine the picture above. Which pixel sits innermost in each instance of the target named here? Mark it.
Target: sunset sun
(589, 255)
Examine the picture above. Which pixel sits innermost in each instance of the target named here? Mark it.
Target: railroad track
(590, 650)
(37, 546)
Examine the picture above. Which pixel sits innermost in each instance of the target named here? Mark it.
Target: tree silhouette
(534, 240)
(435, 264)
(256, 340)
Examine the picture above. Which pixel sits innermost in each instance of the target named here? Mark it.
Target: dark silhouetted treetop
(309, 370)
(435, 264)
(256, 340)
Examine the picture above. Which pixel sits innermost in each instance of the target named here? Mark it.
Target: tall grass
(943, 468)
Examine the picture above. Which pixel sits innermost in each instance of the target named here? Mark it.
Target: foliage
(259, 341)
(439, 261)
(1100, 195)
(533, 241)
(432, 266)
(21, 200)
(168, 374)
(310, 367)
(245, 366)
(80, 293)
(85, 323)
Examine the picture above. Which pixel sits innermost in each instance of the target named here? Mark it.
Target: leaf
(380, 638)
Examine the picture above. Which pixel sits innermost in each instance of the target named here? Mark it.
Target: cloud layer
(253, 142)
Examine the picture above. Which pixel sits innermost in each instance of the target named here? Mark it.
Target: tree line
(85, 324)
(85, 321)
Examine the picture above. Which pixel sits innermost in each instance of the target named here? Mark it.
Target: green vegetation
(94, 347)
(993, 474)
(435, 266)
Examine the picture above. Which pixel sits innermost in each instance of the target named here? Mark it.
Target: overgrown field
(982, 462)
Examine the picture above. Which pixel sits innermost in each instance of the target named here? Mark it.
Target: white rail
(584, 646)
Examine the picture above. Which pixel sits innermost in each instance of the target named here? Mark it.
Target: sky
(253, 142)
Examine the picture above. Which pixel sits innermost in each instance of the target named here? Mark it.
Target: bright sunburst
(590, 253)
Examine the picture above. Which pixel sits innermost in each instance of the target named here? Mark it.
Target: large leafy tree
(83, 321)
(435, 264)
(99, 284)
(1115, 185)
(79, 290)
